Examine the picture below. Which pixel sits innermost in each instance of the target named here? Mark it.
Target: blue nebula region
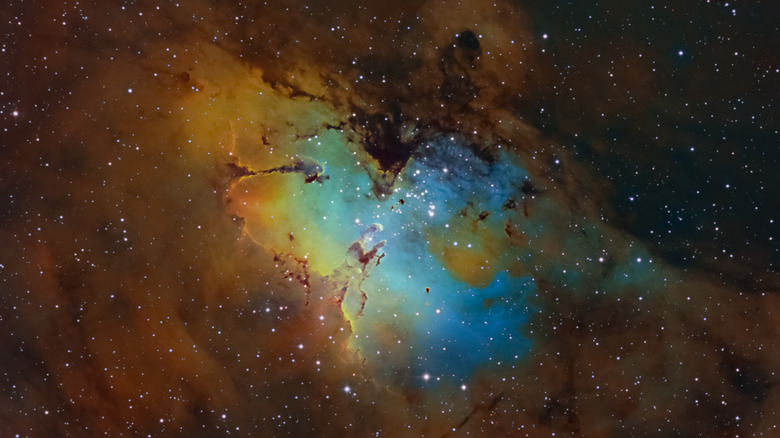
(415, 308)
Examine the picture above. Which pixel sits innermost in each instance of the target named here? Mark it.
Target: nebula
(431, 218)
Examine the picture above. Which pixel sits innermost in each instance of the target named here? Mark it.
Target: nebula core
(428, 219)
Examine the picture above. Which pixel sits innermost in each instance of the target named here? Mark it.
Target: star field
(426, 219)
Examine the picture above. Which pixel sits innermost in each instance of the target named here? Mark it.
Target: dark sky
(414, 218)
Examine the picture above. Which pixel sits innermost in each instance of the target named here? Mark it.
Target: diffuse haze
(406, 219)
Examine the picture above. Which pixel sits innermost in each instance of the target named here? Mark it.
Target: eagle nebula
(429, 218)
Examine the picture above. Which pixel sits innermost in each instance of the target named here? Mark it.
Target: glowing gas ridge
(431, 290)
